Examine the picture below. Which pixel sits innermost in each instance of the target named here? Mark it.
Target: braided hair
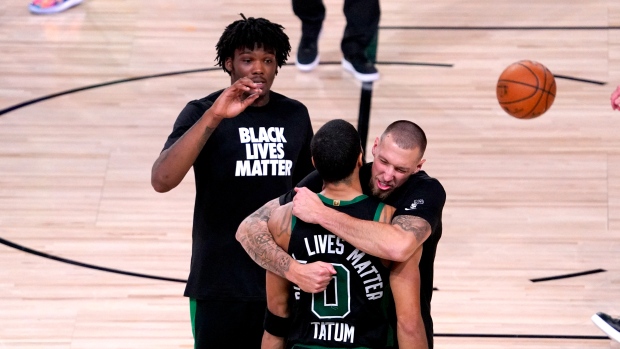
(252, 33)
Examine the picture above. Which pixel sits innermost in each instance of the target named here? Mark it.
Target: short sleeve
(192, 112)
(426, 201)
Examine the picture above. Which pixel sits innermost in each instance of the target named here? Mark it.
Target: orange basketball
(526, 89)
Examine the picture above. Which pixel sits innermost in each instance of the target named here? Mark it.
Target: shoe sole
(65, 5)
(609, 331)
(307, 67)
(359, 76)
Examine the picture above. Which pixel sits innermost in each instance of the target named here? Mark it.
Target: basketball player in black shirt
(246, 144)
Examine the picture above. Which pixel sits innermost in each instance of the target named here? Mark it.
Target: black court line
(566, 276)
(89, 87)
(363, 119)
(120, 81)
(85, 265)
(406, 27)
(445, 65)
(579, 79)
(524, 336)
(122, 272)
(423, 64)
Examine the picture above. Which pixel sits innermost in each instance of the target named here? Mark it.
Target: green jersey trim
(378, 212)
(332, 202)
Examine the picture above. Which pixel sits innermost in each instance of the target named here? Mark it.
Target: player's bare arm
(259, 243)
(173, 163)
(396, 241)
(418, 227)
(405, 285)
(279, 225)
(277, 302)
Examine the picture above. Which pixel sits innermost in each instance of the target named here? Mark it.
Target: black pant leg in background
(362, 25)
(311, 13)
(228, 324)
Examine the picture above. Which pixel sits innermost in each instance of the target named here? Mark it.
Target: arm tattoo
(418, 226)
(259, 243)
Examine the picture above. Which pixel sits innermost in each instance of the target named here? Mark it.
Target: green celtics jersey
(353, 311)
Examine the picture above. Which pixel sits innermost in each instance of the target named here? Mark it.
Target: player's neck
(345, 190)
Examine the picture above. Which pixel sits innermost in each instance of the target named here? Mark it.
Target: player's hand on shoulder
(307, 205)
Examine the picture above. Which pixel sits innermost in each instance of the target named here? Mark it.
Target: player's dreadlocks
(250, 33)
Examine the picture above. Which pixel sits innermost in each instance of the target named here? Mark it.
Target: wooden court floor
(528, 201)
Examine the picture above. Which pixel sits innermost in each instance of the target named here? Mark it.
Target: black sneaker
(307, 54)
(362, 68)
(608, 324)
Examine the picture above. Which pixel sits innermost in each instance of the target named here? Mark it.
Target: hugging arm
(259, 243)
(396, 241)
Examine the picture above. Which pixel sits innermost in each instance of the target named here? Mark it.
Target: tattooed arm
(396, 241)
(259, 243)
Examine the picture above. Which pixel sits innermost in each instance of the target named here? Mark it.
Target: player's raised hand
(312, 277)
(233, 100)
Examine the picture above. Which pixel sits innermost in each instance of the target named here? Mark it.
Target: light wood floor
(527, 199)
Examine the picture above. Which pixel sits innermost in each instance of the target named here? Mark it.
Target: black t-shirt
(421, 196)
(247, 161)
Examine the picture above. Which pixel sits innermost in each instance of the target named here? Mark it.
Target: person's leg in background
(311, 13)
(362, 27)
(227, 324)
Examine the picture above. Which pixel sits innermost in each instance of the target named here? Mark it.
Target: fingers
(301, 189)
(246, 85)
(250, 99)
(325, 277)
(329, 267)
(317, 276)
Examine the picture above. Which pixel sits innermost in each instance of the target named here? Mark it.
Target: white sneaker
(609, 325)
(307, 55)
(361, 68)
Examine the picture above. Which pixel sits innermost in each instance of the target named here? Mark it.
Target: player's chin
(381, 193)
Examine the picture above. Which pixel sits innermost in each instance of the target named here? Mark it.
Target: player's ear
(312, 159)
(374, 146)
(419, 166)
(228, 64)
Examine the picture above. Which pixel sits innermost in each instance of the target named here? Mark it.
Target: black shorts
(227, 324)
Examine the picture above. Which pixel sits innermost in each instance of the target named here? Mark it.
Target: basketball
(526, 89)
